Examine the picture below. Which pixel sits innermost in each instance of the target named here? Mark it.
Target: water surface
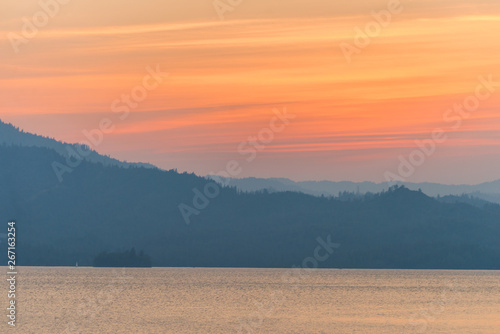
(171, 300)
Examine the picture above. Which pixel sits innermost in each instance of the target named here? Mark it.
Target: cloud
(226, 76)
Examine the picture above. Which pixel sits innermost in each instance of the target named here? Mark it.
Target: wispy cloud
(227, 75)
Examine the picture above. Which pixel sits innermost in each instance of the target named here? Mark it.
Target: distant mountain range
(103, 207)
(489, 191)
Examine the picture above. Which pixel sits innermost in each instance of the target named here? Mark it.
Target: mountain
(489, 191)
(107, 208)
(11, 135)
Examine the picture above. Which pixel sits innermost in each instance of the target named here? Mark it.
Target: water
(97, 300)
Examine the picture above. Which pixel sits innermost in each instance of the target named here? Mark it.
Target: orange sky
(353, 120)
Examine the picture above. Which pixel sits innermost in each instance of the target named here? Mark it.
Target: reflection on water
(171, 300)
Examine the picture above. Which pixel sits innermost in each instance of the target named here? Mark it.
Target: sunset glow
(354, 117)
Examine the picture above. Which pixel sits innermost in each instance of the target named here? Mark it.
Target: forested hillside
(101, 208)
(13, 136)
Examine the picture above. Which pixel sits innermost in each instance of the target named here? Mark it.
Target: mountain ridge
(105, 208)
(489, 191)
(12, 135)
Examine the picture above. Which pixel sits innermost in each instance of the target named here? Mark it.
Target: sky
(365, 84)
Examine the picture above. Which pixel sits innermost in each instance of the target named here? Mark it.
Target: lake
(190, 300)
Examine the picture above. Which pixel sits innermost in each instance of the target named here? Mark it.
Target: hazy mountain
(489, 191)
(11, 135)
(100, 208)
